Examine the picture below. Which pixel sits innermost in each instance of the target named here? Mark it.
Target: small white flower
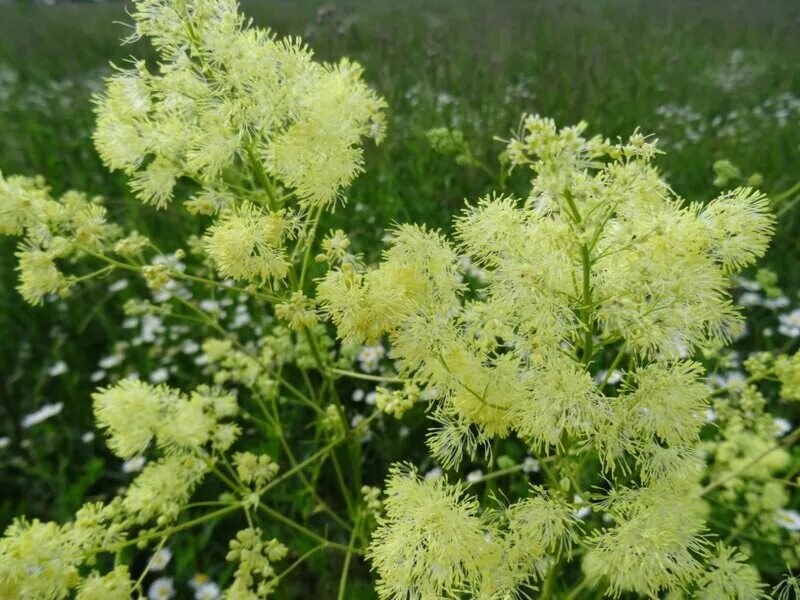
(790, 324)
(159, 375)
(190, 347)
(118, 285)
(711, 415)
(161, 589)
(208, 591)
(788, 519)
(613, 378)
(111, 361)
(434, 473)
(369, 365)
(748, 284)
(5, 441)
(782, 426)
(98, 375)
(583, 510)
(530, 465)
(370, 398)
(160, 559)
(750, 299)
(130, 323)
(199, 580)
(404, 432)
(133, 465)
(88, 437)
(370, 356)
(209, 305)
(779, 302)
(358, 395)
(57, 369)
(732, 379)
(475, 476)
(41, 415)
(242, 318)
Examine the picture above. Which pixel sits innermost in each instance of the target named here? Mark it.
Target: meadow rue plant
(559, 341)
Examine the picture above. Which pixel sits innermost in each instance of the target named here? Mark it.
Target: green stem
(304, 530)
(788, 440)
(309, 244)
(299, 561)
(261, 176)
(365, 377)
(613, 366)
(175, 529)
(347, 558)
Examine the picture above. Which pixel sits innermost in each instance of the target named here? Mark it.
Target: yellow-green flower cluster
(600, 253)
(246, 242)
(601, 259)
(134, 414)
(656, 545)
(255, 575)
(231, 104)
(433, 542)
(54, 232)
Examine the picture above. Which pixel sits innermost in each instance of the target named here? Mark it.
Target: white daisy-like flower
(530, 465)
(209, 305)
(732, 379)
(111, 361)
(748, 284)
(711, 415)
(750, 299)
(208, 591)
(782, 426)
(583, 510)
(88, 437)
(58, 368)
(199, 580)
(370, 398)
(369, 365)
(98, 375)
(159, 375)
(5, 442)
(358, 395)
(118, 285)
(788, 519)
(41, 415)
(613, 378)
(160, 559)
(161, 589)
(475, 476)
(434, 473)
(370, 356)
(242, 317)
(133, 465)
(779, 302)
(790, 324)
(190, 347)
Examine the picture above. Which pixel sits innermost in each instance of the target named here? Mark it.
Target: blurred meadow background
(712, 80)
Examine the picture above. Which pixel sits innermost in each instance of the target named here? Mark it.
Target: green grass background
(732, 67)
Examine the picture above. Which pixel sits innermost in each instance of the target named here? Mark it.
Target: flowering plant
(552, 337)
